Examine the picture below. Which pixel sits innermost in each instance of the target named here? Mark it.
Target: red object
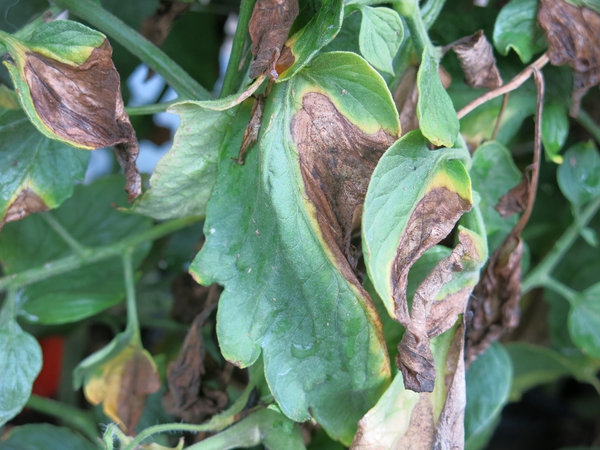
(48, 381)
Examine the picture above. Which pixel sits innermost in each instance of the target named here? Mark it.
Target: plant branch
(155, 58)
(74, 417)
(64, 234)
(500, 114)
(505, 88)
(588, 123)
(559, 287)
(543, 270)
(409, 9)
(149, 109)
(236, 68)
(133, 323)
(69, 263)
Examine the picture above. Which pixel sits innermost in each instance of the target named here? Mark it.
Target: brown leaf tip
(27, 202)
(477, 60)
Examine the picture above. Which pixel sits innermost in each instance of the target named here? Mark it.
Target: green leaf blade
(584, 321)
(555, 129)
(46, 436)
(579, 176)
(381, 33)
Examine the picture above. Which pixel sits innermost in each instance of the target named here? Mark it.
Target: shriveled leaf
(437, 118)
(555, 129)
(253, 127)
(572, 34)
(91, 218)
(488, 385)
(477, 60)
(269, 28)
(514, 201)
(156, 27)
(579, 176)
(300, 49)
(278, 232)
(69, 88)
(516, 28)
(37, 173)
(584, 321)
(405, 419)
(21, 362)
(122, 384)
(46, 436)
(493, 174)
(381, 33)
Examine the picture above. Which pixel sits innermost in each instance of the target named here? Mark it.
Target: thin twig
(500, 114)
(510, 86)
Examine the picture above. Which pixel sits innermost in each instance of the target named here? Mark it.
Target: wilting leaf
(572, 34)
(555, 129)
(579, 176)
(91, 218)
(253, 127)
(68, 86)
(122, 384)
(156, 27)
(515, 200)
(269, 28)
(437, 118)
(46, 436)
(277, 233)
(381, 33)
(37, 173)
(493, 174)
(21, 362)
(516, 28)
(307, 42)
(405, 419)
(477, 60)
(488, 383)
(584, 321)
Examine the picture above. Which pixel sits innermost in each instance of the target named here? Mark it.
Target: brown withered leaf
(27, 202)
(156, 27)
(191, 298)
(83, 104)
(477, 60)
(515, 200)
(253, 127)
(572, 34)
(337, 160)
(269, 28)
(139, 379)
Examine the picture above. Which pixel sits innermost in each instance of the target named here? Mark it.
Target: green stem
(74, 417)
(8, 312)
(412, 15)
(217, 423)
(431, 11)
(64, 234)
(588, 123)
(69, 263)
(538, 276)
(149, 109)
(558, 287)
(133, 323)
(234, 73)
(133, 41)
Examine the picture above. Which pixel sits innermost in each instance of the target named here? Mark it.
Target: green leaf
(488, 385)
(45, 436)
(324, 355)
(21, 362)
(437, 118)
(319, 32)
(579, 176)
(402, 191)
(381, 33)
(493, 174)
(91, 219)
(516, 28)
(34, 167)
(555, 129)
(584, 321)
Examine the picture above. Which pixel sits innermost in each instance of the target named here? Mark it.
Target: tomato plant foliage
(331, 247)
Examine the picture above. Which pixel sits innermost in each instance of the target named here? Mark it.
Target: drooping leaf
(269, 28)
(46, 436)
(516, 28)
(555, 129)
(306, 43)
(68, 86)
(584, 321)
(421, 421)
(579, 176)
(488, 382)
(278, 232)
(90, 217)
(21, 362)
(437, 118)
(381, 33)
(477, 60)
(571, 34)
(37, 173)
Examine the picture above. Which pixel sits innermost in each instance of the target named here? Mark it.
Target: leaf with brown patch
(515, 200)
(269, 28)
(477, 60)
(572, 34)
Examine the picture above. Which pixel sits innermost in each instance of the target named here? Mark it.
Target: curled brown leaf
(253, 127)
(27, 202)
(515, 200)
(156, 27)
(477, 60)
